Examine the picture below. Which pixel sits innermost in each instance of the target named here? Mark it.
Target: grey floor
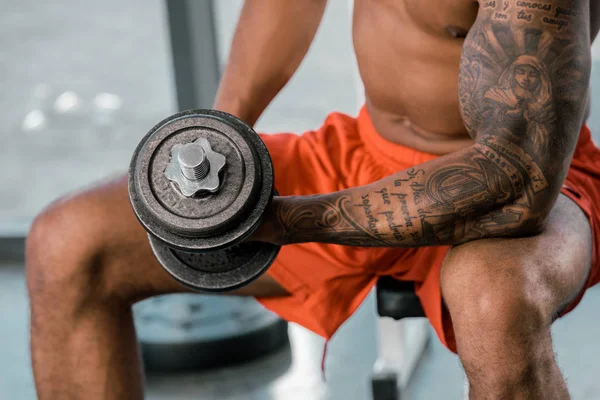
(82, 81)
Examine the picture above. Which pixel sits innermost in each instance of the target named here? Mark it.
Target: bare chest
(451, 18)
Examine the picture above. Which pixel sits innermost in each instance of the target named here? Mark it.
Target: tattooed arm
(523, 83)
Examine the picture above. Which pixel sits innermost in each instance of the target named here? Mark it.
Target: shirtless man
(469, 171)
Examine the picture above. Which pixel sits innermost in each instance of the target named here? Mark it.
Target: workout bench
(400, 342)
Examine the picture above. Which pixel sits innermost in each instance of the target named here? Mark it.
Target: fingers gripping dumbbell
(199, 183)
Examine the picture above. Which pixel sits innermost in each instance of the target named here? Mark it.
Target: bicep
(524, 75)
(523, 85)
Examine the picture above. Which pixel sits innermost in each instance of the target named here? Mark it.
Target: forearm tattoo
(523, 82)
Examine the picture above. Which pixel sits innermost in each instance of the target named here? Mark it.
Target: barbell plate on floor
(192, 332)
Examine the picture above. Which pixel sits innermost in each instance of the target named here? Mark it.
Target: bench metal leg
(400, 346)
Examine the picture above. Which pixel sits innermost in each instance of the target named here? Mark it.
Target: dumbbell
(199, 183)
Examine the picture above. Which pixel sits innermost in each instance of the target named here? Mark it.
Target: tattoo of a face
(516, 76)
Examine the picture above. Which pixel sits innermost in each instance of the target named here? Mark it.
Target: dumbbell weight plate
(221, 219)
(215, 271)
(198, 238)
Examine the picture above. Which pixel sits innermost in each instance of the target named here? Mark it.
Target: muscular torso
(408, 54)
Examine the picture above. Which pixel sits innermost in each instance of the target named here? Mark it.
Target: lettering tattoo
(407, 218)
(371, 219)
(564, 11)
(524, 16)
(412, 174)
(534, 5)
(555, 21)
(384, 196)
(523, 81)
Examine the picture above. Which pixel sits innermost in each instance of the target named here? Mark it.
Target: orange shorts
(328, 282)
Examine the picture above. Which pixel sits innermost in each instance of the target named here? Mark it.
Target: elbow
(523, 220)
(534, 225)
(527, 212)
(535, 207)
(510, 220)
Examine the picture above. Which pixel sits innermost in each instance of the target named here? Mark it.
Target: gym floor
(87, 79)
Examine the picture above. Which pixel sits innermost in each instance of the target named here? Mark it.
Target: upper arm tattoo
(523, 85)
(524, 76)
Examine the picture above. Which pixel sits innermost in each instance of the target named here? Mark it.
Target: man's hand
(269, 230)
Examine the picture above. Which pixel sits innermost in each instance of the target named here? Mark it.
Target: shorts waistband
(398, 156)
(393, 155)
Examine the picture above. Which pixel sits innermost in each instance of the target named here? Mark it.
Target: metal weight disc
(218, 219)
(216, 271)
(184, 332)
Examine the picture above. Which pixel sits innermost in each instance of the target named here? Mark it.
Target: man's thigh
(100, 225)
(549, 270)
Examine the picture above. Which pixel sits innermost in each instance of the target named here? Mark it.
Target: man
(469, 171)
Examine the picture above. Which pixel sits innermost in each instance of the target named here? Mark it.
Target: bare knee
(64, 254)
(518, 285)
(493, 295)
(501, 305)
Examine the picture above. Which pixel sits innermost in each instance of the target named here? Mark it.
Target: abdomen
(408, 72)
